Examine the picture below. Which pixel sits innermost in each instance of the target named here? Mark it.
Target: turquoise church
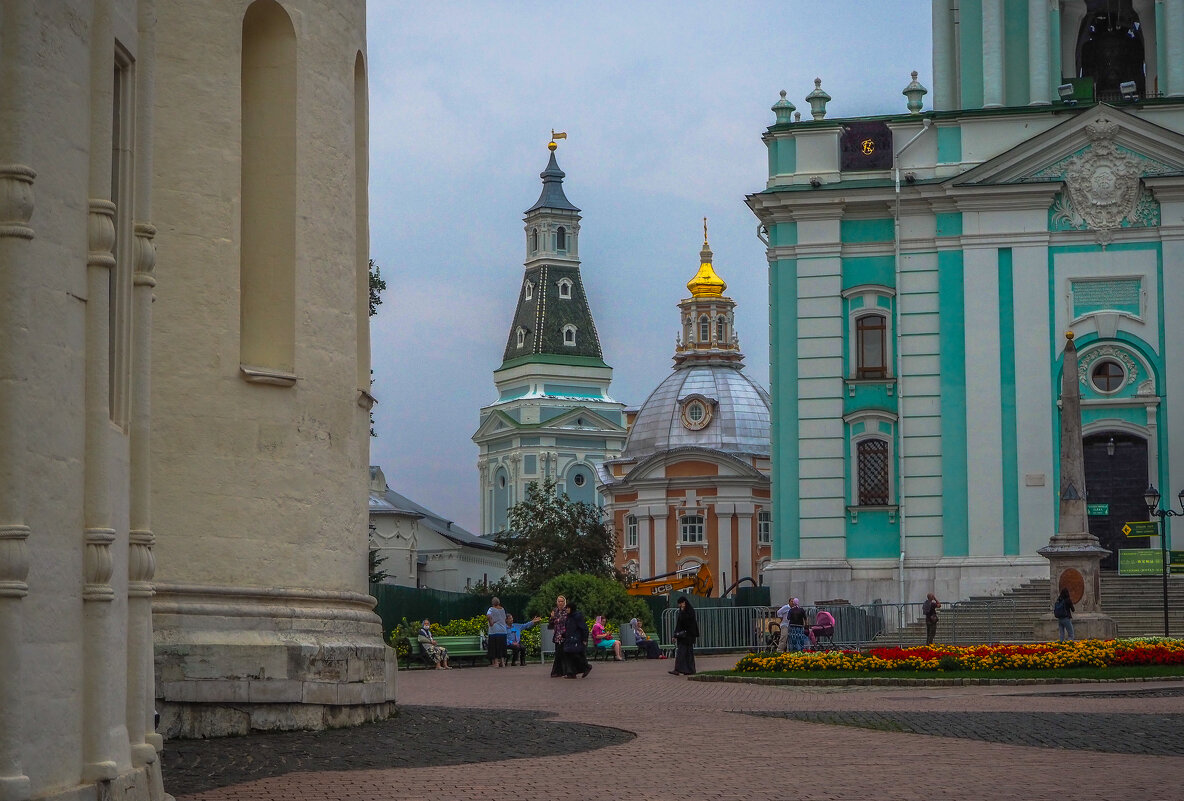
(924, 268)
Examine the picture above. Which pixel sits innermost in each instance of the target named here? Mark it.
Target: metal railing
(742, 628)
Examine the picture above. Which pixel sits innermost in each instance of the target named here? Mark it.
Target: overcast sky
(664, 104)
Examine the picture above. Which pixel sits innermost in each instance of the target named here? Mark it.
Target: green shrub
(593, 596)
(403, 633)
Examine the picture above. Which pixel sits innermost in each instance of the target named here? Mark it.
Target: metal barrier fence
(742, 628)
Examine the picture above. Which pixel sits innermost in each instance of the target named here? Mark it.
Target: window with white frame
(534, 240)
(520, 337)
(721, 330)
(690, 530)
(565, 288)
(871, 346)
(569, 335)
(528, 290)
(704, 329)
(561, 239)
(631, 531)
(764, 528)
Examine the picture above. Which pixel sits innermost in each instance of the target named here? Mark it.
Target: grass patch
(1121, 672)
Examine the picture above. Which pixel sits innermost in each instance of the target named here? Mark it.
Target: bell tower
(553, 417)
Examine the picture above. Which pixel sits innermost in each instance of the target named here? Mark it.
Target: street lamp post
(1151, 498)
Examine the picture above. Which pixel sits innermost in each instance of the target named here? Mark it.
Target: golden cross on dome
(704, 230)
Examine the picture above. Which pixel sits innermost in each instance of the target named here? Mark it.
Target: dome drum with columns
(691, 486)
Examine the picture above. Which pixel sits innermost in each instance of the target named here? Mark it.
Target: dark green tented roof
(546, 314)
(552, 196)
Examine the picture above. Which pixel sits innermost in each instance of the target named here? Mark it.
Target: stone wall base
(200, 720)
(1086, 626)
(138, 784)
(864, 581)
(231, 661)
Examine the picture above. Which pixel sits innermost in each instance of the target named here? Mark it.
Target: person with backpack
(929, 610)
(1062, 610)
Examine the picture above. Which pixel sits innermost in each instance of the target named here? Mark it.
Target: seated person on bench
(824, 626)
(601, 639)
(652, 651)
(514, 638)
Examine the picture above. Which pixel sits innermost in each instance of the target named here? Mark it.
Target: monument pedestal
(1074, 564)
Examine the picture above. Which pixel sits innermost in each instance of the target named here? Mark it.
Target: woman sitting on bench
(652, 651)
(601, 639)
(436, 652)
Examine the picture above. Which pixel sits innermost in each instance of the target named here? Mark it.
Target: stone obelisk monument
(1073, 553)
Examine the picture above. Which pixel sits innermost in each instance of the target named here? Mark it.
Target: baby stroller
(771, 636)
(823, 632)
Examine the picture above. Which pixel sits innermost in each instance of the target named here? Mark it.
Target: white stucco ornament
(1102, 188)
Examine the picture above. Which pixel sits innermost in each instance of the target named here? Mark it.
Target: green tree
(550, 535)
(377, 574)
(593, 596)
(377, 287)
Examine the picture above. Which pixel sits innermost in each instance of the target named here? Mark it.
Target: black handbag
(573, 645)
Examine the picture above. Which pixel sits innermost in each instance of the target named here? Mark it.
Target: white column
(993, 53)
(745, 552)
(723, 539)
(16, 211)
(99, 715)
(1056, 69)
(644, 565)
(661, 543)
(1039, 50)
(945, 68)
(1173, 39)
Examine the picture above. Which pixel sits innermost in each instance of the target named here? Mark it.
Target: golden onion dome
(706, 284)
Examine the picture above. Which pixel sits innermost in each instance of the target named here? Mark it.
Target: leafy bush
(405, 632)
(594, 596)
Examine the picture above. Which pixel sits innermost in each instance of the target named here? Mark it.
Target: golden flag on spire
(558, 134)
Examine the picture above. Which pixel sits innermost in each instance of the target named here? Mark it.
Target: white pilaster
(745, 551)
(945, 68)
(644, 546)
(660, 514)
(993, 53)
(723, 521)
(1038, 54)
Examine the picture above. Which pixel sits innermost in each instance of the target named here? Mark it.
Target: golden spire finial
(706, 284)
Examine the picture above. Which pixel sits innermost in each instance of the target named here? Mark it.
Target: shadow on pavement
(421, 736)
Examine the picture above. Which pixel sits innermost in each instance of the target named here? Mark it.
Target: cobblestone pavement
(1123, 734)
(699, 740)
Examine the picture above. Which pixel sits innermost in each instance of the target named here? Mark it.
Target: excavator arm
(700, 583)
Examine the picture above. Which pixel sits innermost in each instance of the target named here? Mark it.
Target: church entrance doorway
(1115, 480)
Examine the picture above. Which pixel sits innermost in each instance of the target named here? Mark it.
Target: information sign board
(1140, 562)
(1097, 509)
(1141, 528)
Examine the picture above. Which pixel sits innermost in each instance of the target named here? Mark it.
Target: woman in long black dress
(686, 631)
(558, 625)
(575, 643)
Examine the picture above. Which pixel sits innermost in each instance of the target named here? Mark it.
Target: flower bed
(1036, 656)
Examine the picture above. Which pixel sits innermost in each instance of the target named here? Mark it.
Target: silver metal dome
(739, 420)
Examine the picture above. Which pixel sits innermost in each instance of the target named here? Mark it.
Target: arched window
(872, 470)
(631, 531)
(1110, 49)
(520, 336)
(704, 329)
(565, 288)
(528, 291)
(267, 211)
(569, 335)
(721, 330)
(764, 528)
(871, 336)
(561, 239)
(690, 530)
(534, 240)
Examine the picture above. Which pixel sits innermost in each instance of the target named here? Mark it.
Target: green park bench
(459, 646)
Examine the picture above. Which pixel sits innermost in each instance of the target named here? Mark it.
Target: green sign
(1140, 562)
(1141, 528)
(1097, 509)
(1148, 562)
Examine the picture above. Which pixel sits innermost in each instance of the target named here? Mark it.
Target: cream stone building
(184, 383)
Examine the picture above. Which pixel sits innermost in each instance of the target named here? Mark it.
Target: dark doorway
(1116, 478)
(1110, 48)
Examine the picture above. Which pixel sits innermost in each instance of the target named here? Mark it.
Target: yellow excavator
(697, 581)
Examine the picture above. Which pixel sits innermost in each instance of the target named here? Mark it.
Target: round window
(578, 479)
(696, 415)
(1107, 376)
